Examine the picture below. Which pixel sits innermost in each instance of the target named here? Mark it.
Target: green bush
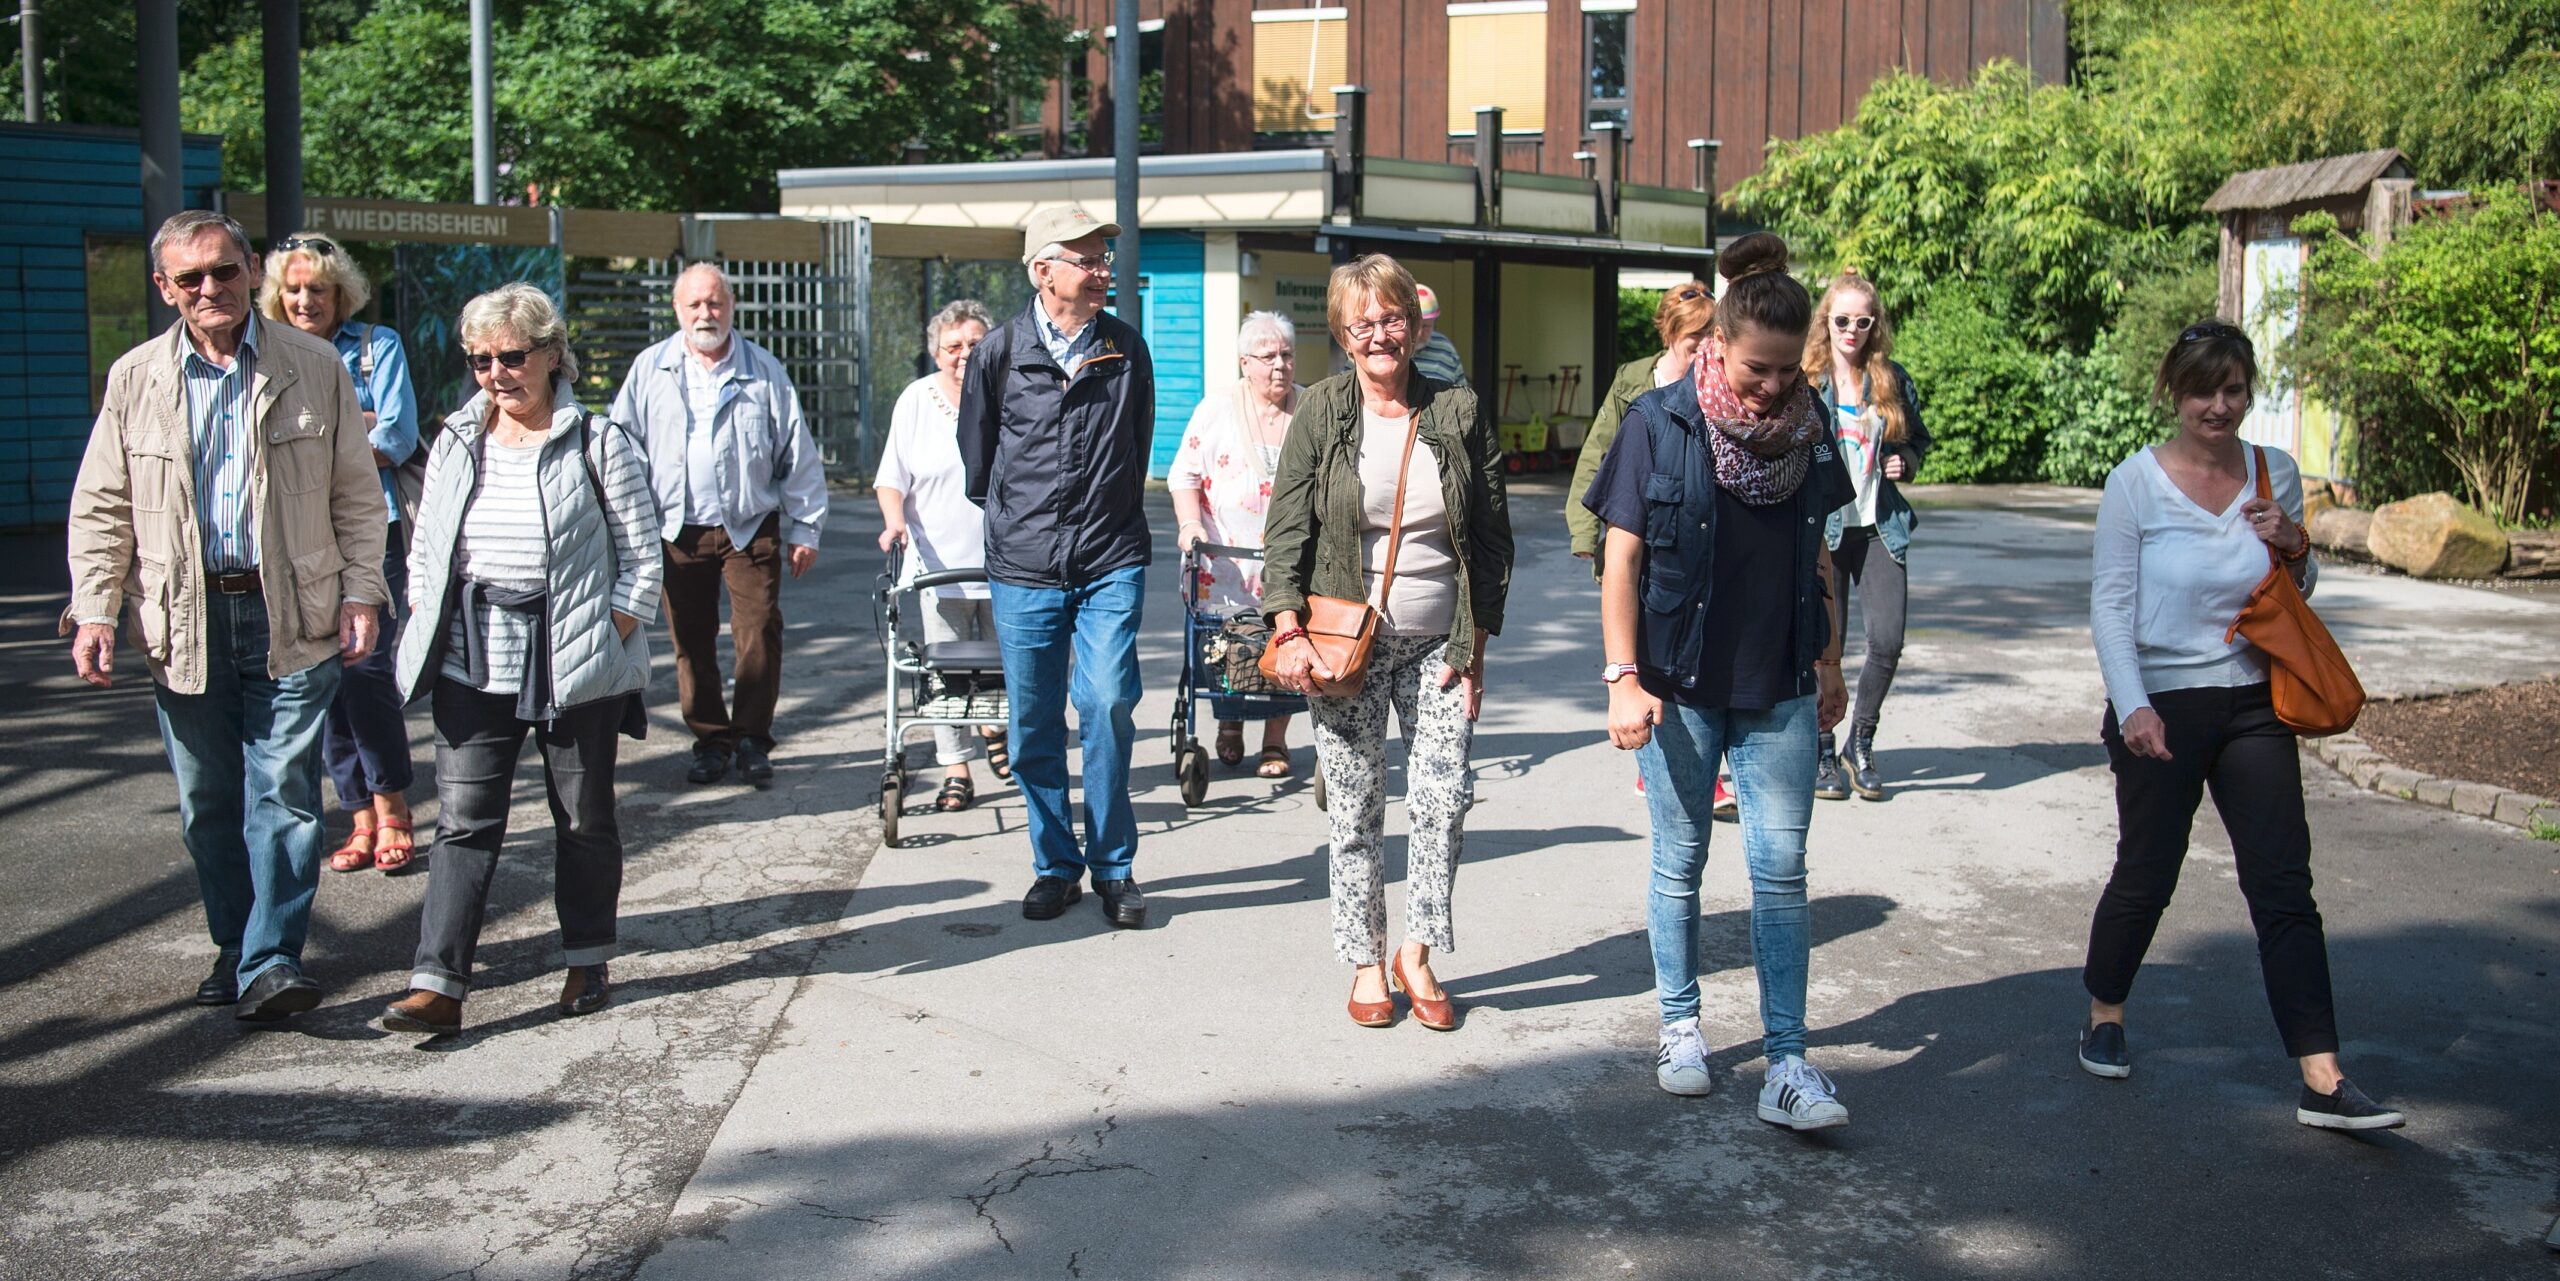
(2097, 421)
(2153, 309)
(1635, 327)
(1987, 403)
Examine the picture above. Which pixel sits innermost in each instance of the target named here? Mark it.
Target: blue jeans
(366, 747)
(1038, 629)
(1772, 756)
(247, 755)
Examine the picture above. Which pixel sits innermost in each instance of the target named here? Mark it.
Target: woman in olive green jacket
(1682, 319)
(1333, 505)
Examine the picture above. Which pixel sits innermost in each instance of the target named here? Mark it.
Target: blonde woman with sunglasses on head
(1875, 417)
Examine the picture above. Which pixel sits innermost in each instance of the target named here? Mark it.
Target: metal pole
(284, 118)
(156, 63)
(484, 119)
(31, 60)
(1124, 159)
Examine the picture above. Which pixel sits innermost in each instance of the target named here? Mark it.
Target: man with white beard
(739, 480)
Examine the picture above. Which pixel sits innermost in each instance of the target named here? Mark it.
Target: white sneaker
(1798, 1096)
(1680, 1067)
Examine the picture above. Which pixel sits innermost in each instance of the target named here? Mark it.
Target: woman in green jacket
(1682, 319)
(1360, 439)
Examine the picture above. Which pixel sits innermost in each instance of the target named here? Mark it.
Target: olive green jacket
(1634, 379)
(1311, 534)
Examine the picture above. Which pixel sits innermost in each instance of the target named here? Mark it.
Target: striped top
(501, 544)
(221, 415)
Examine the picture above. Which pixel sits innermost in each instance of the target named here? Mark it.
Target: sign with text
(397, 220)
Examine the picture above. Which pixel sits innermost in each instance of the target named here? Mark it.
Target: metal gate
(813, 314)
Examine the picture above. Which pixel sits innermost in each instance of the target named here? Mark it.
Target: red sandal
(383, 851)
(350, 858)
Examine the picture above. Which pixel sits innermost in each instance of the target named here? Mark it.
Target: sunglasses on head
(1860, 323)
(2211, 329)
(1688, 293)
(315, 244)
(479, 361)
(190, 281)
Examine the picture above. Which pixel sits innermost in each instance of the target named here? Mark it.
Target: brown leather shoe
(1371, 1013)
(433, 1013)
(1439, 1016)
(585, 991)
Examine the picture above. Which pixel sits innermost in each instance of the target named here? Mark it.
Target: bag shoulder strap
(364, 354)
(2258, 456)
(1395, 523)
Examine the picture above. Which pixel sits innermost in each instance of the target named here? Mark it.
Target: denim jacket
(1894, 517)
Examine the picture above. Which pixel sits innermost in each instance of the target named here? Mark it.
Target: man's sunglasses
(2211, 329)
(315, 244)
(190, 281)
(1860, 323)
(479, 361)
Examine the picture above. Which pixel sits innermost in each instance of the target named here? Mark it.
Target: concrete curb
(2374, 772)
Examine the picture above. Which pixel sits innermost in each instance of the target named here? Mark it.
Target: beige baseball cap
(1059, 224)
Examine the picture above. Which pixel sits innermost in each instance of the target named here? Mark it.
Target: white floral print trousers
(1351, 749)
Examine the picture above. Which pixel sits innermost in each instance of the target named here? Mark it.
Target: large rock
(2435, 536)
(2342, 531)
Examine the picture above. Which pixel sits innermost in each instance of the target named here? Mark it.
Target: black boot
(1859, 763)
(1827, 785)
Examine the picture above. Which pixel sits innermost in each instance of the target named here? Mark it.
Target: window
(1150, 80)
(1076, 114)
(1498, 57)
(1297, 60)
(1605, 91)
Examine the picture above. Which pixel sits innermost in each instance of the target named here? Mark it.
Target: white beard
(705, 341)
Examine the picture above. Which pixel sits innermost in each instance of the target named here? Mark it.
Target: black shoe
(753, 765)
(710, 763)
(1826, 774)
(1858, 764)
(222, 987)
(587, 989)
(2102, 1051)
(278, 991)
(1123, 902)
(2348, 1109)
(1049, 898)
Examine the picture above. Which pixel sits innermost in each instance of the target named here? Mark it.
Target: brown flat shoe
(1372, 1013)
(433, 1013)
(1439, 1016)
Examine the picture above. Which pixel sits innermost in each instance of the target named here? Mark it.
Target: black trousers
(478, 738)
(2228, 740)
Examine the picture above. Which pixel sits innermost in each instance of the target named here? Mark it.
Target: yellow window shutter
(1285, 44)
(1498, 57)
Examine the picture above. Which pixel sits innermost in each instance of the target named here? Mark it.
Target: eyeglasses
(479, 361)
(1095, 265)
(2212, 329)
(1392, 326)
(1859, 323)
(1275, 359)
(190, 281)
(1688, 293)
(315, 244)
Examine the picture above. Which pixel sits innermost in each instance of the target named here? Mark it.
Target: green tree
(88, 55)
(2460, 318)
(633, 104)
(1989, 407)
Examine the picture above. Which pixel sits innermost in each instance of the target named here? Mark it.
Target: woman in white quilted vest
(533, 570)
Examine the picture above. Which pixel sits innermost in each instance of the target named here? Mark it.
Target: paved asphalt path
(830, 1060)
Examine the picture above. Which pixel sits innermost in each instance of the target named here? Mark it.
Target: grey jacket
(599, 509)
(766, 460)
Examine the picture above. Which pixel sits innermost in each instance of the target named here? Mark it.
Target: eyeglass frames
(479, 361)
(1392, 326)
(1096, 265)
(1276, 358)
(1861, 324)
(190, 281)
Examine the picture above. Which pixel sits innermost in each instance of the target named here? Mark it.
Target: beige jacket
(136, 548)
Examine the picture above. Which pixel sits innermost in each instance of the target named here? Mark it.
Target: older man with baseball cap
(1057, 413)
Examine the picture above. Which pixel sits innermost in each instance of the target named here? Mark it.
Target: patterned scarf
(1760, 459)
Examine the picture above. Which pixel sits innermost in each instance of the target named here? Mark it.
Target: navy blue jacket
(1680, 538)
(1058, 462)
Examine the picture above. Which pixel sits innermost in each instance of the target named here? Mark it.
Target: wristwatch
(1610, 672)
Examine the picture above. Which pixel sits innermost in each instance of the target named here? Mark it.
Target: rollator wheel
(1191, 770)
(889, 801)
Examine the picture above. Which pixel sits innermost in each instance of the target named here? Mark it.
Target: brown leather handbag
(1344, 631)
(2315, 690)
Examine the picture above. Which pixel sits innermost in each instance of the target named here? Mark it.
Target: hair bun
(1753, 255)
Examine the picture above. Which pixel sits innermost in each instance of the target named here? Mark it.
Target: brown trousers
(700, 562)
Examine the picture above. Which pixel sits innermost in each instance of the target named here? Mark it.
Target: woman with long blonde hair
(1875, 416)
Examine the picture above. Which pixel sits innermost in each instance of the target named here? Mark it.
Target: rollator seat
(975, 657)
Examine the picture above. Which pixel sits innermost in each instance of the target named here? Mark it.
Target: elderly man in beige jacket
(228, 509)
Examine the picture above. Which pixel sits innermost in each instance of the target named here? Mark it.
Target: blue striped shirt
(220, 414)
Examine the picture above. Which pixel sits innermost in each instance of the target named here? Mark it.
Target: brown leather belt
(244, 583)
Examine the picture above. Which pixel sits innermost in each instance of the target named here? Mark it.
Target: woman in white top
(2182, 540)
(924, 503)
(1221, 483)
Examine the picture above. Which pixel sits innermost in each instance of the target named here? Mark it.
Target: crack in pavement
(1049, 1164)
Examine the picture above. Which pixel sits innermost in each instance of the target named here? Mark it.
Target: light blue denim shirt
(219, 414)
(1062, 349)
(387, 394)
(763, 459)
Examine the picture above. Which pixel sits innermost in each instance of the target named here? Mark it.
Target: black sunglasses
(187, 281)
(315, 244)
(479, 361)
(2211, 329)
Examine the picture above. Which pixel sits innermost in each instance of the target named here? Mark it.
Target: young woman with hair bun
(1875, 417)
(1723, 645)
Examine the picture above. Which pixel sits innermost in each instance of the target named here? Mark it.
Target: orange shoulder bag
(2316, 691)
(1344, 631)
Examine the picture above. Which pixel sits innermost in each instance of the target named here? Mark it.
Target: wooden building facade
(1242, 75)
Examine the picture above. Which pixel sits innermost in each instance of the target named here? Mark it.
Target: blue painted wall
(68, 181)
(1174, 262)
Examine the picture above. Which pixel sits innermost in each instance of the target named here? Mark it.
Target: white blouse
(2167, 578)
(921, 460)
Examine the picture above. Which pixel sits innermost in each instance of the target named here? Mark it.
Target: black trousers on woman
(2228, 740)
